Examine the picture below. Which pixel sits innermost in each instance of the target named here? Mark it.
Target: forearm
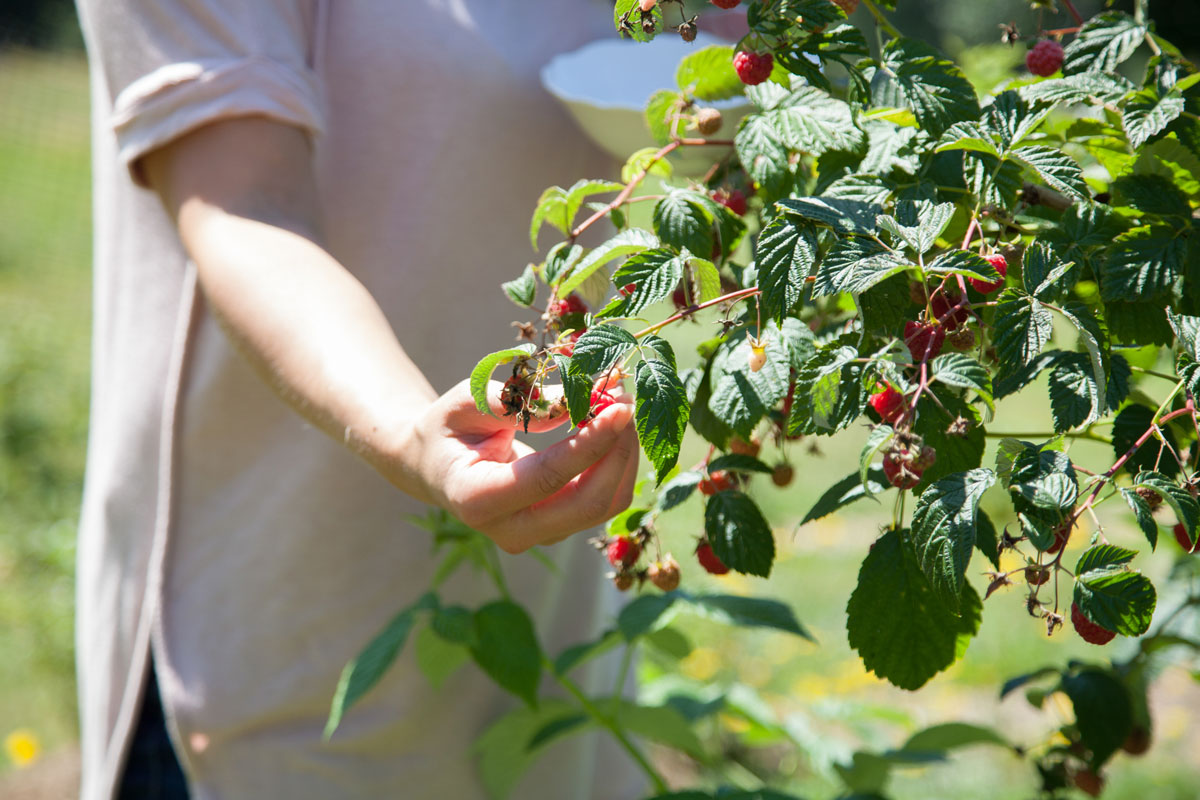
(309, 327)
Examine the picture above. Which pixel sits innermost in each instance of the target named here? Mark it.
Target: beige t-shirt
(255, 555)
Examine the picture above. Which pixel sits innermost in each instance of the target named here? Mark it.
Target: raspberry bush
(881, 247)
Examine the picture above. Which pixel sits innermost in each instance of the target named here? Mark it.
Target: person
(307, 206)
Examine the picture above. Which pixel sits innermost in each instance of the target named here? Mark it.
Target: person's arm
(243, 195)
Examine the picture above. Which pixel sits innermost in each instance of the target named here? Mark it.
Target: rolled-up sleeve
(171, 66)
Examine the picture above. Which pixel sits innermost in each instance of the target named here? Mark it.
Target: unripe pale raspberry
(1045, 58)
(1089, 631)
(708, 121)
(782, 474)
(753, 68)
(665, 574)
(987, 287)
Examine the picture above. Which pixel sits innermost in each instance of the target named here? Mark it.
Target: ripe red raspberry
(599, 401)
(1181, 536)
(567, 348)
(924, 340)
(743, 448)
(665, 574)
(708, 559)
(732, 199)
(900, 473)
(572, 304)
(679, 298)
(942, 303)
(753, 68)
(782, 474)
(987, 287)
(1138, 740)
(1089, 782)
(889, 405)
(623, 552)
(1088, 630)
(925, 459)
(725, 3)
(627, 289)
(1062, 535)
(716, 481)
(1045, 58)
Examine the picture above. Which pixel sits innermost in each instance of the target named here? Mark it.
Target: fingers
(599, 493)
(499, 489)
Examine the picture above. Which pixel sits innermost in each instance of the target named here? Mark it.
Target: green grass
(45, 252)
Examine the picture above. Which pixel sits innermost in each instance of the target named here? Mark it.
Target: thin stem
(662, 153)
(1163, 375)
(1045, 435)
(660, 785)
(740, 294)
(1074, 14)
(881, 20)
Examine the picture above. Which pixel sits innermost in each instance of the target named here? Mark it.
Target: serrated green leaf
(943, 530)
(677, 490)
(577, 389)
(898, 624)
(521, 290)
(740, 396)
(1056, 168)
(810, 121)
(1011, 117)
(855, 264)
(1103, 713)
(682, 221)
(829, 394)
(993, 181)
(785, 255)
(646, 613)
(1144, 263)
(1042, 271)
(503, 750)
(1103, 43)
(965, 263)
(655, 273)
(1119, 600)
(660, 109)
(625, 243)
(1103, 557)
(653, 346)
(1022, 328)
(737, 462)
(1075, 399)
(1147, 114)
(1152, 194)
(918, 223)
(1187, 330)
(739, 534)
(506, 648)
(763, 153)
(648, 161)
(986, 539)
(1186, 507)
(481, 375)
(1143, 515)
(661, 413)
(370, 665)
(600, 348)
(842, 215)
(708, 73)
(933, 87)
(748, 612)
(845, 492)
(955, 452)
(879, 436)
(559, 262)
(661, 724)
(437, 658)
(551, 207)
(968, 136)
(964, 372)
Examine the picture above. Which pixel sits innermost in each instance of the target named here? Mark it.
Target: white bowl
(605, 85)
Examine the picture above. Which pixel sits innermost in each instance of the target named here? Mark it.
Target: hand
(472, 465)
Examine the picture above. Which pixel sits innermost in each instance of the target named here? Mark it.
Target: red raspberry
(924, 340)
(708, 559)
(743, 448)
(1088, 630)
(1089, 782)
(1061, 536)
(987, 287)
(599, 401)
(665, 574)
(1138, 740)
(1181, 536)
(623, 552)
(732, 199)
(572, 304)
(567, 348)
(679, 298)
(942, 303)
(627, 289)
(889, 404)
(782, 474)
(753, 68)
(899, 472)
(716, 481)
(725, 3)
(925, 459)
(1045, 58)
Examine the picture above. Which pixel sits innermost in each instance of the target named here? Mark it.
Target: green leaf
(1131, 423)
(677, 490)
(965, 263)
(1152, 194)
(481, 375)
(655, 274)
(504, 754)
(660, 108)
(829, 393)
(1143, 515)
(986, 539)
(557, 728)
(1103, 557)
(577, 388)
(600, 348)
(935, 89)
(842, 215)
(578, 654)
(1119, 600)
(653, 346)
(1011, 117)
(763, 153)
(1085, 88)
(624, 243)
(855, 264)
(1056, 168)
(736, 462)
(943, 532)
(708, 73)
(455, 624)
(749, 612)
(918, 224)
(740, 536)
(964, 372)
(661, 413)
(968, 136)
(646, 613)
(506, 648)
(899, 625)
(740, 396)
(879, 436)
(953, 735)
(1043, 478)
(1022, 328)
(628, 17)
(1103, 43)
(681, 220)
(661, 724)
(992, 181)
(845, 492)
(551, 207)
(955, 453)
(786, 252)
(811, 121)
(437, 658)
(1186, 507)
(1103, 712)
(1075, 399)
(1144, 263)
(1147, 114)
(1187, 330)
(370, 665)
(1042, 271)
(521, 290)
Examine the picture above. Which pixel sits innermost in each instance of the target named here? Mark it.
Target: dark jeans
(152, 771)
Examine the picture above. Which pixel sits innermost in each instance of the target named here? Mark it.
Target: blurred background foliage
(824, 705)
